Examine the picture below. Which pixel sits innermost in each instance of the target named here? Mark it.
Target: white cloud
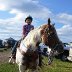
(22, 8)
(64, 18)
(10, 28)
(2, 7)
(65, 32)
(29, 7)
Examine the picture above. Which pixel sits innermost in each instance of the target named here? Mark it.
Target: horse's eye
(46, 30)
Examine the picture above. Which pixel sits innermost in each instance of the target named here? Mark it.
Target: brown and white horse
(27, 55)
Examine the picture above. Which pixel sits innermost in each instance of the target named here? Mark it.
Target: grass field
(56, 66)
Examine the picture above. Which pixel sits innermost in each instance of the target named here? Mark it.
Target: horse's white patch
(23, 47)
(19, 57)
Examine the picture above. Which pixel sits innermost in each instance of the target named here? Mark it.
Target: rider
(26, 29)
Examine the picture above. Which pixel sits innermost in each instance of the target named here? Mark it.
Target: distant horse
(27, 56)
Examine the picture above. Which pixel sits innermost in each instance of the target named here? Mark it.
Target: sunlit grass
(8, 68)
(56, 66)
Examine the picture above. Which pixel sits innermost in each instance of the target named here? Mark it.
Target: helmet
(29, 17)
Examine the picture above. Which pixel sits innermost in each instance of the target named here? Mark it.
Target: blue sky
(5, 15)
(13, 13)
(58, 6)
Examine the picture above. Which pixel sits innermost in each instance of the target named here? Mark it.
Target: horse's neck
(32, 38)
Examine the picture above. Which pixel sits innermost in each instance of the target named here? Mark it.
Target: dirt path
(4, 56)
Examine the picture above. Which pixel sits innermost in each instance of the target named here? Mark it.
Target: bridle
(51, 35)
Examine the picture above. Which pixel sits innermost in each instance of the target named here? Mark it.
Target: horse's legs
(36, 64)
(50, 57)
(22, 68)
(10, 60)
(40, 59)
(35, 70)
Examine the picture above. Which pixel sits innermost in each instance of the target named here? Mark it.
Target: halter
(50, 35)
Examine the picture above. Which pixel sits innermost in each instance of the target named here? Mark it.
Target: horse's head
(50, 37)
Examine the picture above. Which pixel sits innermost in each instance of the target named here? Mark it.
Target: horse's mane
(32, 38)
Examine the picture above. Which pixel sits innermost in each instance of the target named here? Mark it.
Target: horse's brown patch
(30, 58)
(44, 34)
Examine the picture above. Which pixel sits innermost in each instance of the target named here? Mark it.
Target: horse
(27, 55)
(52, 40)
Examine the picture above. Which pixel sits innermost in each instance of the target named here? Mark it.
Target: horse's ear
(49, 21)
(53, 24)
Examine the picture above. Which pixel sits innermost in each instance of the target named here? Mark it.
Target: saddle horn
(49, 21)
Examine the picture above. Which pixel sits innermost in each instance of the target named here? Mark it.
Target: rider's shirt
(27, 28)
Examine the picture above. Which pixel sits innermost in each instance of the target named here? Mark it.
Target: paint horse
(27, 55)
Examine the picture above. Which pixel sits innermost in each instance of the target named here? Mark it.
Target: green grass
(8, 68)
(56, 66)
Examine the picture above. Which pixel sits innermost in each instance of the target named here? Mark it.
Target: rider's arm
(24, 32)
